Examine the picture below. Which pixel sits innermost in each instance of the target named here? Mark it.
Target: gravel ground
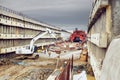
(38, 69)
(35, 74)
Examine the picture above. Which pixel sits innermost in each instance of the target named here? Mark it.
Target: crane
(31, 48)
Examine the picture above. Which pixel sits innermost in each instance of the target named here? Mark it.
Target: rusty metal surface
(66, 74)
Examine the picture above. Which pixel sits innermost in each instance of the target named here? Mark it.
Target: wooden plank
(109, 22)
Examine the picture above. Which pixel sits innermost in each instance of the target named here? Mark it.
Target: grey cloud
(23, 5)
(58, 16)
(67, 14)
(70, 18)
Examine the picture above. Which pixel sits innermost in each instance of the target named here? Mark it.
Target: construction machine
(31, 48)
(78, 36)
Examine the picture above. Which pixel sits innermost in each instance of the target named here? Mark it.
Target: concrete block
(99, 39)
(111, 64)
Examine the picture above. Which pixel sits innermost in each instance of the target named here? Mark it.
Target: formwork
(17, 29)
(103, 27)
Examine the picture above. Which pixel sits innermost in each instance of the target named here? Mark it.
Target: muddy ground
(41, 68)
(28, 69)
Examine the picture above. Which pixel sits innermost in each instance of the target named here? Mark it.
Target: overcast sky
(67, 14)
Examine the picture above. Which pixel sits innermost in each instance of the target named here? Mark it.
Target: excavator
(30, 49)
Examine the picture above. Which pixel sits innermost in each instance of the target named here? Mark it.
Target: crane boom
(35, 39)
(30, 49)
